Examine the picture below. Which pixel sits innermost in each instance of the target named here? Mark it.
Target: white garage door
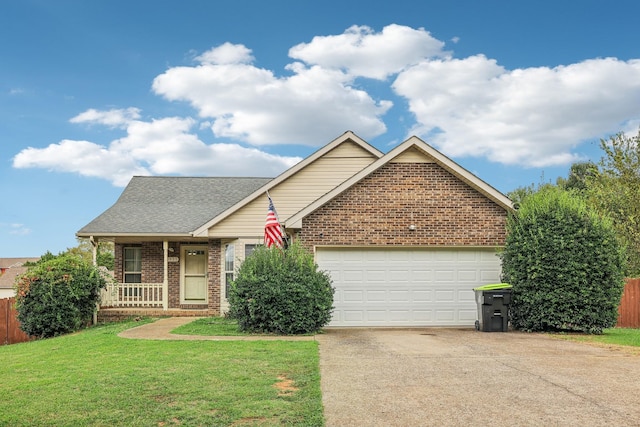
(407, 287)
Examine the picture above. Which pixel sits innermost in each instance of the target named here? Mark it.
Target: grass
(214, 326)
(613, 336)
(95, 378)
(210, 326)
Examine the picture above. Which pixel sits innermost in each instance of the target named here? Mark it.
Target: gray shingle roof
(171, 205)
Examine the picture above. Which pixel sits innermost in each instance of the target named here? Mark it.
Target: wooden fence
(629, 310)
(10, 332)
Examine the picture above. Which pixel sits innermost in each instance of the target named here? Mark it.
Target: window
(229, 268)
(248, 250)
(132, 270)
(133, 265)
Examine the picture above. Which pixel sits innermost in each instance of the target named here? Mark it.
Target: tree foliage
(614, 190)
(105, 256)
(281, 291)
(57, 295)
(565, 265)
(579, 176)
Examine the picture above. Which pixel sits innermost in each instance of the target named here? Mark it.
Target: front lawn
(613, 336)
(214, 326)
(94, 378)
(210, 326)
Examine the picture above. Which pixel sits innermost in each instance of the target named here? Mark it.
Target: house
(405, 235)
(10, 268)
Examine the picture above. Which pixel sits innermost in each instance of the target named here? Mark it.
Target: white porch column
(165, 281)
(94, 250)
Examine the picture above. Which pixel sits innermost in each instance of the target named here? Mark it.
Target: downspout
(165, 280)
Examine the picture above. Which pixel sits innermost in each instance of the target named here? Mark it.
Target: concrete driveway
(460, 377)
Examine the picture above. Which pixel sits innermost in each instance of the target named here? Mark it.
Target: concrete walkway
(161, 330)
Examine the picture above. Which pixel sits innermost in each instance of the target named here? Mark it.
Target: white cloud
(253, 105)
(469, 106)
(117, 118)
(531, 117)
(631, 128)
(19, 229)
(82, 157)
(160, 147)
(362, 52)
(227, 53)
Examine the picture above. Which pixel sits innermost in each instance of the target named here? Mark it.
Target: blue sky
(94, 92)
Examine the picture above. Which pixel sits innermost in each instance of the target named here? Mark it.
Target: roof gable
(331, 150)
(412, 150)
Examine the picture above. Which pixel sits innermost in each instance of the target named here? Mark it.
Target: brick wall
(117, 262)
(379, 210)
(214, 282)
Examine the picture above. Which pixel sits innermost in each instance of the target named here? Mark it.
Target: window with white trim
(132, 268)
(229, 267)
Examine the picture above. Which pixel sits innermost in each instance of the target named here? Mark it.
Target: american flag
(272, 230)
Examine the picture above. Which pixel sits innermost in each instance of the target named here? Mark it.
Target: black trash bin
(493, 307)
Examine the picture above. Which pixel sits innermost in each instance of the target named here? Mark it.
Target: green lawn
(211, 326)
(94, 378)
(613, 336)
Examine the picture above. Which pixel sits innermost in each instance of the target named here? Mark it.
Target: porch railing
(133, 295)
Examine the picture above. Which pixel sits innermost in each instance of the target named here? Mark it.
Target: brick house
(405, 235)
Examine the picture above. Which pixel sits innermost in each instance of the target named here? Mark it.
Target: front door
(194, 275)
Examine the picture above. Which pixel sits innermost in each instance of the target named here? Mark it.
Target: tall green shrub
(281, 291)
(57, 295)
(565, 265)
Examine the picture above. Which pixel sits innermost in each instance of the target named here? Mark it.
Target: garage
(407, 286)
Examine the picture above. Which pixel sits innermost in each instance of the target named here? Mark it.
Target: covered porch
(161, 278)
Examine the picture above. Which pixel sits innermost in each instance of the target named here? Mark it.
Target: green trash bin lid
(493, 287)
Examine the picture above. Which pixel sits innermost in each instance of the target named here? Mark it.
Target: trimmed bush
(565, 265)
(57, 295)
(281, 292)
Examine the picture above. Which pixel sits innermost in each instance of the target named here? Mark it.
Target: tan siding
(349, 149)
(296, 192)
(412, 156)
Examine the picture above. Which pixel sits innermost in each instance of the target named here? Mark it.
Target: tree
(614, 190)
(57, 295)
(105, 256)
(579, 176)
(518, 195)
(281, 291)
(565, 265)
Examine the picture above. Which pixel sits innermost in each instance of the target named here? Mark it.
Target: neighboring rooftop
(170, 205)
(15, 262)
(10, 268)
